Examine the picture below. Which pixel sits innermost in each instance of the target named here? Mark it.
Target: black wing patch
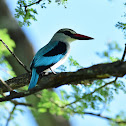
(32, 64)
(42, 68)
(59, 49)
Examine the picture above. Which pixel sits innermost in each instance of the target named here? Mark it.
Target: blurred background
(96, 19)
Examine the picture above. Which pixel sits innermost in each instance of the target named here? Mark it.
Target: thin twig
(104, 117)
(28, 5)
(15, 104)
(11, 113)
(15, 56)
(21, 103)
(18, 103)
(9, 88)
(124, 53)
(89, 93)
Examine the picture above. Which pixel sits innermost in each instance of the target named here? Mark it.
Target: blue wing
(49, 55)
(45, 58)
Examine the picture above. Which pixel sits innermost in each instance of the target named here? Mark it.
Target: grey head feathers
(67, 31)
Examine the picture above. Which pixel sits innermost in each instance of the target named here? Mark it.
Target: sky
(94, 18)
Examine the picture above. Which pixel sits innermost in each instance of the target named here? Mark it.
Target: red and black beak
(81, 37)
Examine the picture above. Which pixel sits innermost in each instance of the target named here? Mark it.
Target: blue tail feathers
(34, 79)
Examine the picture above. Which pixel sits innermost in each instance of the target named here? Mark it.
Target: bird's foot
(53, 71)
(13, 92)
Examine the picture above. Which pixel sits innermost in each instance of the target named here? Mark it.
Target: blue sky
(95, 18)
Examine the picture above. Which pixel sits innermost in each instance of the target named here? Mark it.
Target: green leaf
(4, 52)
(42, 110)
(74, 62)
(9, 42)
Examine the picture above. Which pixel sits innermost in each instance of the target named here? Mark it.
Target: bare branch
(104, 117)
(21, 103)
(37, 2)
(11, 113)
(124, 53)
(9, 88)
(15, 56)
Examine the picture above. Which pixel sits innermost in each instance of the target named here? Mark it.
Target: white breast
(61, 61)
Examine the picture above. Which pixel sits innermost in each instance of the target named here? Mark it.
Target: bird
(54, 54)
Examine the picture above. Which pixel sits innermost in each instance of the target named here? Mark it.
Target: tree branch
(124, 53)
(15, 56)
(4, 83)
(99, 71)
(28, 5)
(11, 113)
(21, 103)
(104, 117)
(84, 96)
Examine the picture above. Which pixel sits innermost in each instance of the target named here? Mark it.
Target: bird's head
(68, 35)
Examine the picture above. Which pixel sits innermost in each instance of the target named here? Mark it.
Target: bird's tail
(34, 79)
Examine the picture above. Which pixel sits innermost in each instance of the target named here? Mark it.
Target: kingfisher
(52, 55)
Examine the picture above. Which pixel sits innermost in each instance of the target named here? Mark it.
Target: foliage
(5, 37)
(73, 62)
(5, 67)
(26, 9)
(120, 117)
(4, 53)
(122, 25)
(9, 112)
(109, 53)
(51, 102)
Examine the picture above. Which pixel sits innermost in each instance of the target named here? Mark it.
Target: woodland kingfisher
(54, 53)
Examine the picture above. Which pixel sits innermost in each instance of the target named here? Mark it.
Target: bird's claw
(53, 71)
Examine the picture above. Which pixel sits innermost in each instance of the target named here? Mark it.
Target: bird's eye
(67, 33)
